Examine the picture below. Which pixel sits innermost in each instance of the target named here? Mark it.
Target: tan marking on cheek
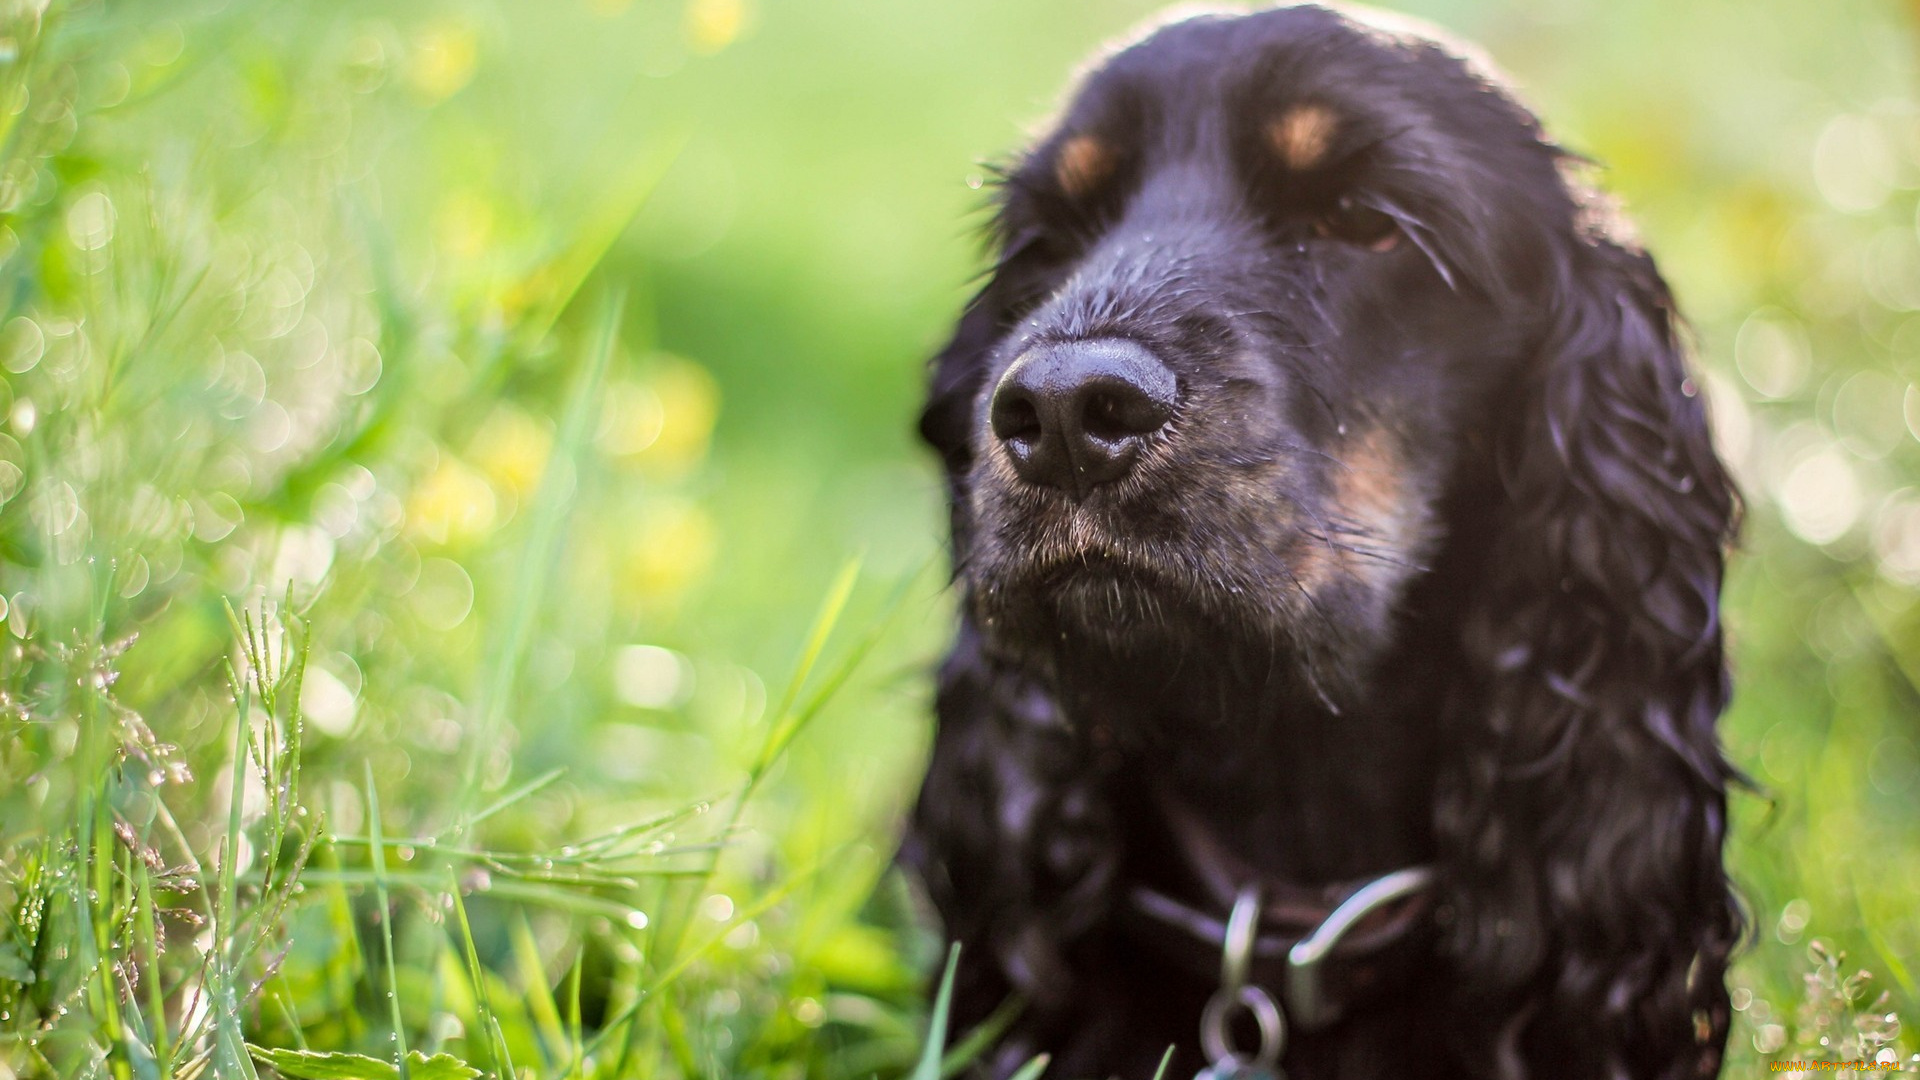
(1082, 165)
(1369, 491)
(1302, 135)
(1375, 532)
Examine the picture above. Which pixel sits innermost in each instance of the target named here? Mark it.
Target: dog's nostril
(1071, 415)
(1115, 412)
(1103, 414)
(1014, 415)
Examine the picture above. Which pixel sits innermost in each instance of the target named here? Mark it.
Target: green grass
(467, 588)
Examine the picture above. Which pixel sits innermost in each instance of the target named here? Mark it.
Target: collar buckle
(1307, 1003)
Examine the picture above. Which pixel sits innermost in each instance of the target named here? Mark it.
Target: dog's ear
(953, 385)
(1019, 275)
(1581, 829)
(1015, 840)
(958, 371)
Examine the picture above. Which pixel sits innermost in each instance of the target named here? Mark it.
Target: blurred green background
(536, 381)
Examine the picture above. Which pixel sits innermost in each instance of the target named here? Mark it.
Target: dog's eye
(1358, 223)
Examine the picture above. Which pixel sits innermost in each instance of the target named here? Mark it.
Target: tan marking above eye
(1302, 134)
(1082, 165)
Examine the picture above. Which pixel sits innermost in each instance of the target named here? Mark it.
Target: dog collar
(1320, 965)
(1318, 956)
(1319, 950)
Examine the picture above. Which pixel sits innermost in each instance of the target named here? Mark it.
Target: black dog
(1340, 542)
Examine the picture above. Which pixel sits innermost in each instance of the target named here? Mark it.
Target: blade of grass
(123, 1015)
(831, 607)
(785, 724)
(983, 1036)
(146, 935)
(747, 914)
(551, 507)
(291, 1013)
(673, 1024)
(231, 1058)
(596, 844)
(285, 783)
(652, 990)
(539, 995)
(780, 735)
(823, 623)
(789, 723)
(99, 932)
(576, 1044)
(517, 795)
(604, 225)
(346, 962)
(928, 1068)
(502, 1059)
(379, 851)
(1032, 1069)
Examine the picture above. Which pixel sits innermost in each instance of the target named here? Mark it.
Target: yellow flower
(463, 224)
(630, 419)
(512, 448)
(689, 404)
(712, 25)
(443, 59)
(676, 546)
(453, 505)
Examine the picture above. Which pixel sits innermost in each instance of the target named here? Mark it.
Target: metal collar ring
(1217, 1042)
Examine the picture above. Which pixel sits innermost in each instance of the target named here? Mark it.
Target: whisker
(1376, 555)
(1310, 451)
(1325, 533)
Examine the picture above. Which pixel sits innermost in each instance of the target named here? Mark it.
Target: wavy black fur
(1427, 569)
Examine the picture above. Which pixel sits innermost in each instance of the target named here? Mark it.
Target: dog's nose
(1073, 415)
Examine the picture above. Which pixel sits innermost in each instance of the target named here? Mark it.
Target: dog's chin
(1092, 603)
(1134, 619)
